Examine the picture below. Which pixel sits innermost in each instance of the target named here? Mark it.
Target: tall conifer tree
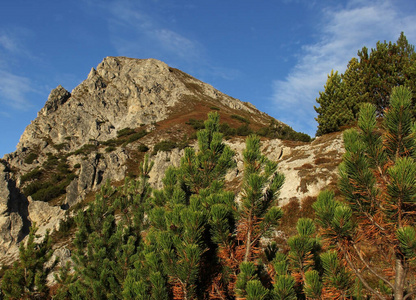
(332, 110)
(370, 78)
(181, 215)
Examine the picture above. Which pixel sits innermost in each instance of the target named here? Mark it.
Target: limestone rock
(57, 97)
(13, 213)
(45, 216)
(163, 160)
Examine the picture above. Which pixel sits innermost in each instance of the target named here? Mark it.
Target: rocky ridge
(75, 135)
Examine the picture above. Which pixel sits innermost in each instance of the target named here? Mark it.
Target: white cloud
(176, 43)
(341, 34)
(7, 42)
(13, 90)
(136, 33)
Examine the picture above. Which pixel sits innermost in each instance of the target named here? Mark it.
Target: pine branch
(357, 273)
(369, 267)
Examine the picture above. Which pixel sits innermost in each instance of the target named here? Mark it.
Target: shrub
(244, 130)
(61, 146)
(283, 132)
(112, 142)
(143, 148)
(33, 188)
(124, 132)
(196, 124)
(65, 227)
(30, 158)
(86, 149)
(135, 136)
(240, 118)
(51, 162)
(63, 168)
(164, 146)
(34, 174)
(70, 177)
(49, 190)
(77, 166)
(48, 193)
(226, 130)
(56, 178)
(193, 136)
(110, 149)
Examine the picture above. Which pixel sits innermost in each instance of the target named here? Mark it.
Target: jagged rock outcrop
(14, 223)
(56, 98)
(45, 216)
(94, 170)
(75, 142)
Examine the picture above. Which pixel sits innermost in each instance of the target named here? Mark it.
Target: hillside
(126, 107)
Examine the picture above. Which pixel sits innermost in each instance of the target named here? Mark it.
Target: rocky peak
(121, 92)
(57, 97)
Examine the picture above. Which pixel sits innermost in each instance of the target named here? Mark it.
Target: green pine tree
(181, 219)
(370, 78)
(333, 109)
(258, 211)
(378, 183)
(107, 248)
(387, 66)
(26, 279)
(258, 215)
(354, 89)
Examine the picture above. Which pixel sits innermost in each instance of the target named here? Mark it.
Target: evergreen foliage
(107, 249)
(370, 78)
(281, 131)
(192, 213)
(258, 213)
(378, 183)
(26, 279)
(332, 111)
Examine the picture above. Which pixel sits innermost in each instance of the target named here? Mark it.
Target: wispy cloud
(5, 115)
(342, 33)
(14, 90)
(134, 32)
(7, 42)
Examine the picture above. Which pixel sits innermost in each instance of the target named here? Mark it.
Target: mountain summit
(122, 92)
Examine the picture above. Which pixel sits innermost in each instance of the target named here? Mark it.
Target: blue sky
(274, 54)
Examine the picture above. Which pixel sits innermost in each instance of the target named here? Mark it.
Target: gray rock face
(45, 217)
(94, 171)
(14, 221)
(56, 98)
